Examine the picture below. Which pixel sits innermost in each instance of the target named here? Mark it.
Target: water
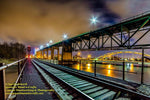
(132, 73)
(11, 74)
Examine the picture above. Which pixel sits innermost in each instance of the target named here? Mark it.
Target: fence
(20, 64)
(123, 69)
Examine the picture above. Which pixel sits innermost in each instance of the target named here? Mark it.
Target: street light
(50, 41)
(94, 20)
(47, 44)
(41, 47)
(65, 36)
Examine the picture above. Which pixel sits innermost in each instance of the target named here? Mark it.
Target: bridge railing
(136, 16)
(95, 65)
(92, 67)
(128, 19)
(3, 69)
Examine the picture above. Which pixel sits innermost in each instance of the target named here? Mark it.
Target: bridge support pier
(66, 52)
(58, 53)
(42, 54)
(67, 56)
(47, 53)
(52, 53)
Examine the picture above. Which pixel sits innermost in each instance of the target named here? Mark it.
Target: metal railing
(3, 76)
(122, 70)
(122, 63)
(136, 16)
(8, 65)
(127, 19)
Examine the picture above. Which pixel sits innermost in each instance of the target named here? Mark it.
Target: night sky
(35, 22)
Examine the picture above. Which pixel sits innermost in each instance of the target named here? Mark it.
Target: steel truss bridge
(124, 35)
(120, 52)
(131, 33)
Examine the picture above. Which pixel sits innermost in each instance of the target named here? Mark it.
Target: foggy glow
(109, 72)
(50, 41)
(131, 67)
(109, 66)
(89, 65)
(47, 44)
(65, 36)
(41, 47)
(89, 56)
(79, 53)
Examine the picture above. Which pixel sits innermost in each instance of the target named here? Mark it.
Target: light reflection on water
(109, 73)
(132, 73)
(130, 67)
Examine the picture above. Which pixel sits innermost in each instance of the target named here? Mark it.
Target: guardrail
(2, 76)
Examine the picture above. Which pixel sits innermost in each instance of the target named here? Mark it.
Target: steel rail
(111, 84)
(62, 81)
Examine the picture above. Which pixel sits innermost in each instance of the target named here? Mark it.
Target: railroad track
(86, 91)
(70, 87)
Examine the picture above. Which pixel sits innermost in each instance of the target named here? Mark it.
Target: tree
(12, 50)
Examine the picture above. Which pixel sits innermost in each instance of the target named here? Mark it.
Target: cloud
(35, 22)
(127, 8)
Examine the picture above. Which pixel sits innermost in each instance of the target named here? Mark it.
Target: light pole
(65, 36)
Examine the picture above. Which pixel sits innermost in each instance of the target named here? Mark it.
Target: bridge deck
(33, 78)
